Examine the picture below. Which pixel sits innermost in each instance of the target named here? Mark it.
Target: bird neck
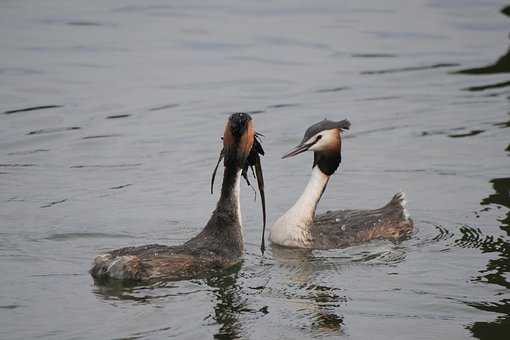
(329, 160)
(223, 232)
(307, 203)
(293, 228)
(230, 193)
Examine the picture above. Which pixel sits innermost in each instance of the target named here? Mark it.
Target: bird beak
(297, 150)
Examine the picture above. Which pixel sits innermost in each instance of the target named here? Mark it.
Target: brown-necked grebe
(220, 244)
(300, 227)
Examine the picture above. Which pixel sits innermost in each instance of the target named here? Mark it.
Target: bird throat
(307, 202)
(292, 229)
(230, 192)
(327, 161)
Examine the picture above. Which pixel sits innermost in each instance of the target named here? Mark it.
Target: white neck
(293, 228)
(237, 191)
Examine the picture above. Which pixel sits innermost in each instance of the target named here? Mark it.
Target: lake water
(111, 114)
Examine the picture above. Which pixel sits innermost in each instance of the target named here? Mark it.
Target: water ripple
(118, 116)
(53, 130)
(84, 235)
(48, 205)
(410, 69)
(32, 108)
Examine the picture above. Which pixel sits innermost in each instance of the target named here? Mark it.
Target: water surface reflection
(497, 270)
(319, 303)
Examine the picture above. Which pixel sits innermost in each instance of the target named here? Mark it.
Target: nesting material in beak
(242, 148)
(252, 161)
(216, 169)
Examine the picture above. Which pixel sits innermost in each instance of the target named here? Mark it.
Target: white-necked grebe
(300, 227)
(220, 244)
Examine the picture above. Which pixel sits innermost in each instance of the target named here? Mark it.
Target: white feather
(293, 228)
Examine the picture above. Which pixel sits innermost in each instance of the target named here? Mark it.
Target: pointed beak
(297, 150)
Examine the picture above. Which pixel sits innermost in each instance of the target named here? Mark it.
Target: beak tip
(297, 150)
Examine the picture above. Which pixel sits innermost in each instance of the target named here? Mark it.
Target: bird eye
(319, 137)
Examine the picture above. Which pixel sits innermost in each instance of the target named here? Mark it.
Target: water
(112, 113)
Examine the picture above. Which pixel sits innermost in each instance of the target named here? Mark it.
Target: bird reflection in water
(229, 305)
(317, 301)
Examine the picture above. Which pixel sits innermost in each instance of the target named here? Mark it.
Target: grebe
(220, 244)
(299, 227)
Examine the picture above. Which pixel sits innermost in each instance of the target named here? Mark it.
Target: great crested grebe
(220, 244)
(299, 227)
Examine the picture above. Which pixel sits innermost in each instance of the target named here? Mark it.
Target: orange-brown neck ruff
(246, 141)
(237, 147)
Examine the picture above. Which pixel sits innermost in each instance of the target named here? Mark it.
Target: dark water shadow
(84, 235)
(410, 69)
(85, 23)
(27, 152)
(118, 116)
(505, 124)
(10, 307)
(467, 134)
(497, 269)
(120, 186)
(333, 89)
(373, 55)
(32, 108)
(460, 131)
(102, 136)
(487, 87)
(50, 204)
(501, 65)
(53, 130)
(106, 166)
(377, 98)
(371, 131)
(164, 107)
(16, 165)
(281, 106)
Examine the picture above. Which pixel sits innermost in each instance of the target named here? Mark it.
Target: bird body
(299, 227)
(219, 245)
